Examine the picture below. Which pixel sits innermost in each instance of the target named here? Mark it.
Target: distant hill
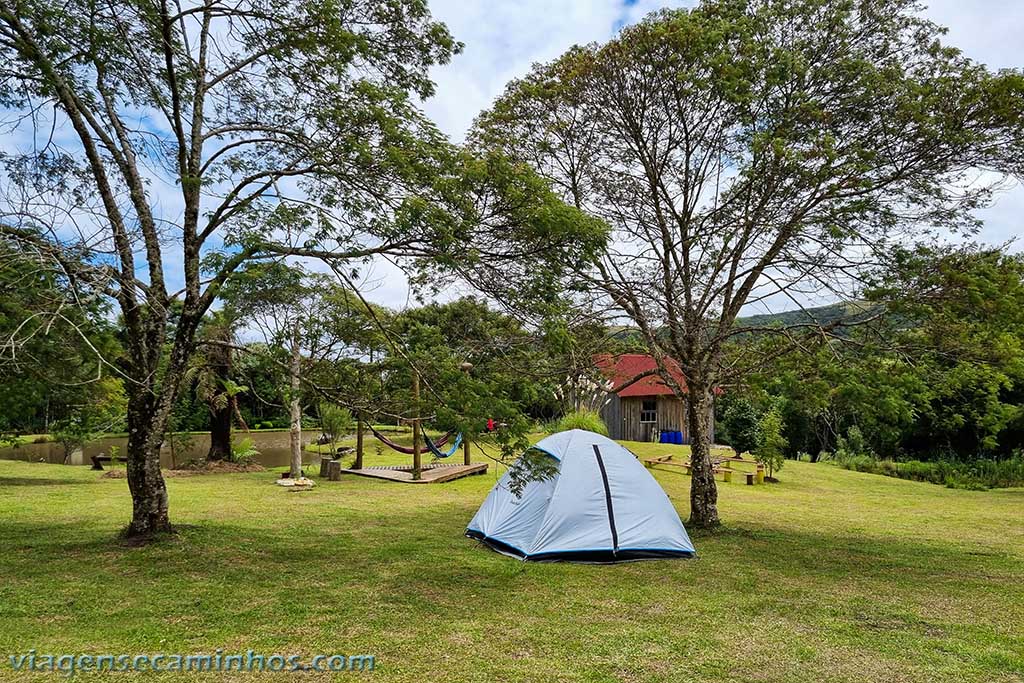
(819, 315)
(850, 311)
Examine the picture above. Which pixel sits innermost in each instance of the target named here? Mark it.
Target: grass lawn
(830, 575)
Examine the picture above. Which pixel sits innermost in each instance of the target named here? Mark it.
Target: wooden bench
(687, 467)
(726, 472)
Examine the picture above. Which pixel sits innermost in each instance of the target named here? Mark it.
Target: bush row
(976, 475)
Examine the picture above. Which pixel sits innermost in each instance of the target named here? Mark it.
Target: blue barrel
(662, 437)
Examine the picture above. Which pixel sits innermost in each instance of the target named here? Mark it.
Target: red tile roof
(622, 368)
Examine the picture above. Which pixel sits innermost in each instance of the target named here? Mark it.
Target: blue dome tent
(601, 506)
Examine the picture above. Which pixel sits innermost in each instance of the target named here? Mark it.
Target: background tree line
(936, 374)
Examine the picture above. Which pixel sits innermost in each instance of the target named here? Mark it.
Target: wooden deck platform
(430, 474)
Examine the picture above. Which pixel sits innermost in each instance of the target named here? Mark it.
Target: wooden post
(417, 465)
(359, 441)
(466, 367)
(334, 471)
(325, 464)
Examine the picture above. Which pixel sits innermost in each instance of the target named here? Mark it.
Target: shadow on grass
(40, 481)
(397, 551)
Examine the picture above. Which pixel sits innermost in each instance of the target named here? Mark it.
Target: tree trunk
(220, 416)
(703, 490)
(295, 407)
(220, 434)
(146, 483)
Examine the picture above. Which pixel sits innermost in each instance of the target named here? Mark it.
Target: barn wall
(611, 413)
(672, 415)
(622, 416)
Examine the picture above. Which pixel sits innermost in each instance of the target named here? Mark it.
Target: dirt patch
(215, 467)
(197, 469)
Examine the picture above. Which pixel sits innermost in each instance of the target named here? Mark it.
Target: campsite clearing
(830, 575)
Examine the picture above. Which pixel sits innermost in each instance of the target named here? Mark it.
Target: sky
(504, 37)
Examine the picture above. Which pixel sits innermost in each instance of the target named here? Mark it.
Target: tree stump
(325, 463)
(334, 471)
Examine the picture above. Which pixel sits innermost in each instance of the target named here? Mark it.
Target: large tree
(756, 151)
(172, 142)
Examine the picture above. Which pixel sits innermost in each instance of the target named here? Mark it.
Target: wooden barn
(638, 411)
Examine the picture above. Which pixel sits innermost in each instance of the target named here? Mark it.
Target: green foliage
(104, 411)
(771, 445)
(12, 441)
(531, 465)
(739, 425)
(937, 374)
(244, 451)
(72, 433)
(975, 475)
(853, 445)
(335, 422)
(581, 419)
(57, 333)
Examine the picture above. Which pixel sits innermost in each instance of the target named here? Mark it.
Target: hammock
(433, 447)
(406, 449)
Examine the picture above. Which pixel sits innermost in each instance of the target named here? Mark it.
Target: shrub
(853, 444)
(589, 420)
(244, 451)
(740, 426)
(771, 446)
(977, 475)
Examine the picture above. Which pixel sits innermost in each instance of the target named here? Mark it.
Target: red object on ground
(490, 424)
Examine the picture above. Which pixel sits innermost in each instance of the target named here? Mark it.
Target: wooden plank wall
(611, 413)
(622, 416)
(672, 416)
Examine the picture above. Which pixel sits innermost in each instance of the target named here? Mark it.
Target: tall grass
(589, 420)
(977, 475)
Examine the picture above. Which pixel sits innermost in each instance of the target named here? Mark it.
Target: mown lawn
(829, 575)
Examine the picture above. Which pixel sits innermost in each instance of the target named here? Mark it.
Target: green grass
(830, 575)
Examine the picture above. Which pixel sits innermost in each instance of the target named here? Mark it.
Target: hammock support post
(359, 441)
(466, 367)
(417, 465)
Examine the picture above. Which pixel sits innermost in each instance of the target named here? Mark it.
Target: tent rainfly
(601, 506)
